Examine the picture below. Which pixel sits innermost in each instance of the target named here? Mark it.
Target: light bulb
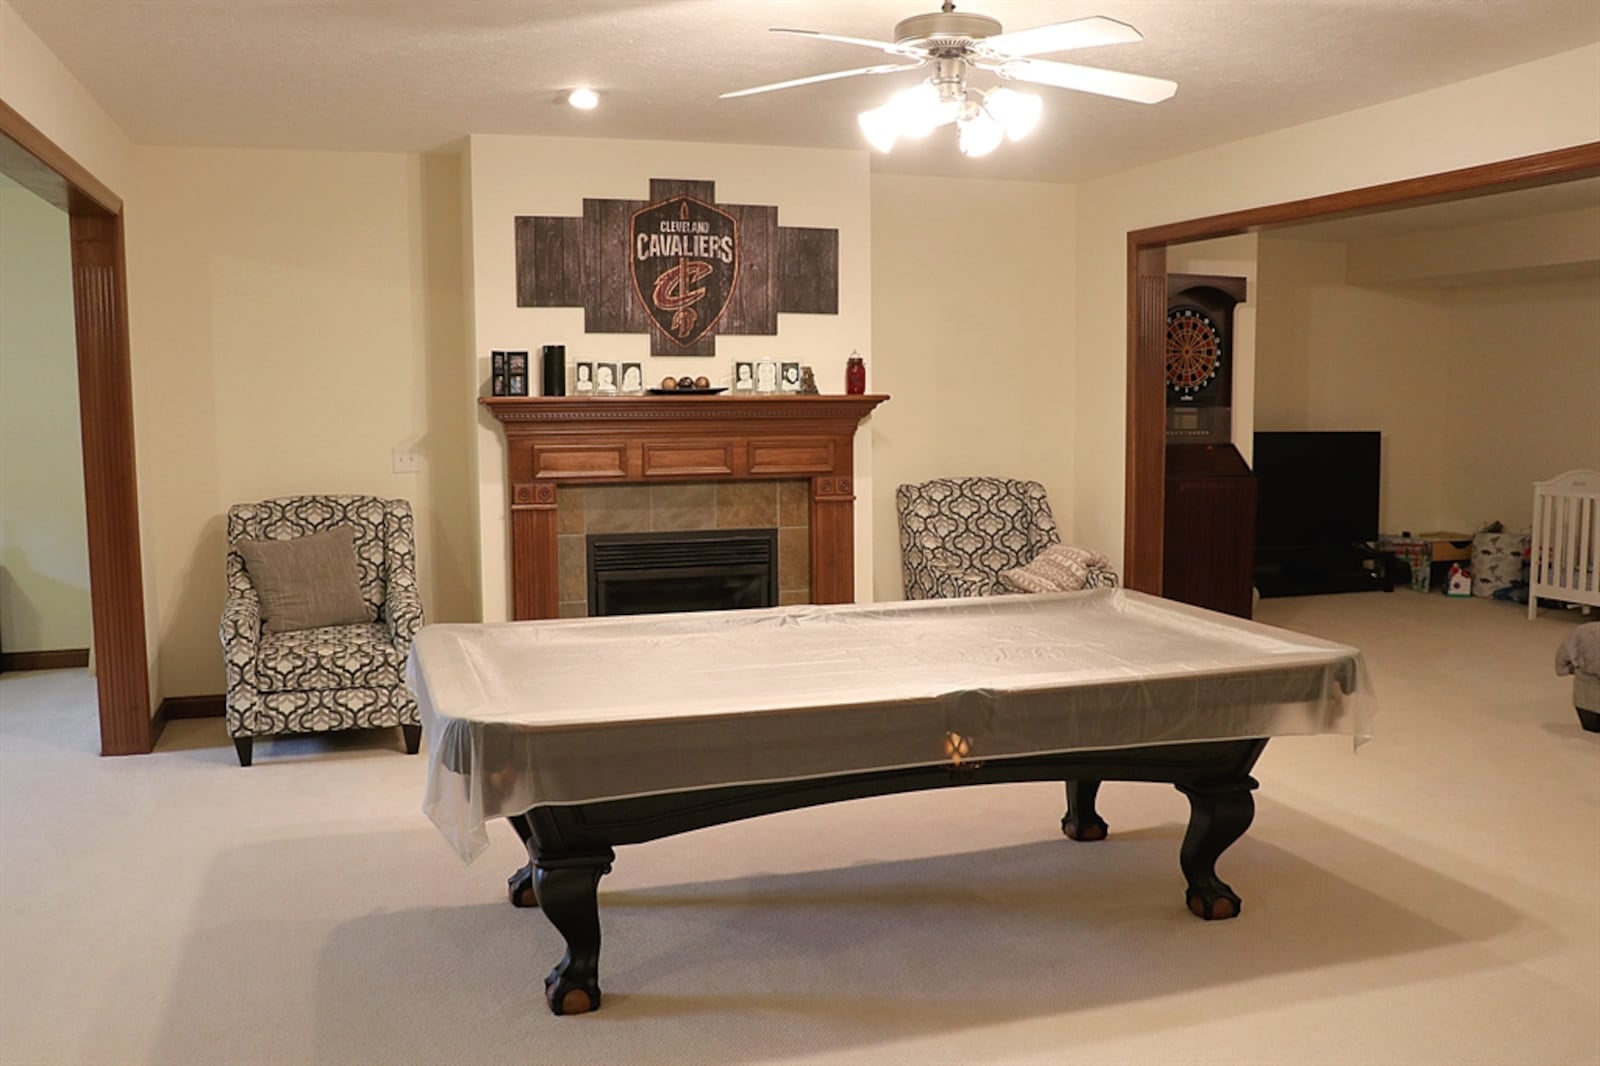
(881, 126)
(1018, 113)
(583, 99)
(979, 135)
(918, 109)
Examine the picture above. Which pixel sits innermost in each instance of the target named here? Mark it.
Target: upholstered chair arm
(960, 584)
(241, 638)
(402, 608)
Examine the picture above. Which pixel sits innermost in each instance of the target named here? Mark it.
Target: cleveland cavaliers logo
(685, 261)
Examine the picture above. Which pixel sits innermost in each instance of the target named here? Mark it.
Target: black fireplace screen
(698, 570)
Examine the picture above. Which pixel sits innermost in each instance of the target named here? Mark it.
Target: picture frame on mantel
(767, 377)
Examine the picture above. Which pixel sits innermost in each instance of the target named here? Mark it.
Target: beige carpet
(1434, 898)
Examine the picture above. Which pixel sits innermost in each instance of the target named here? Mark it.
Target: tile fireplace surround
(553, 442)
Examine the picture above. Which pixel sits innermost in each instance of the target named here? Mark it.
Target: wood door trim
(105, 403)
(1146, 459)
(45, 151)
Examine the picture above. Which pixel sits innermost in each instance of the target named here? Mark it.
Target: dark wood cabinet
(1210, 536)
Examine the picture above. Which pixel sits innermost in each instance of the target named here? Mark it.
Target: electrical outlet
(407, 461)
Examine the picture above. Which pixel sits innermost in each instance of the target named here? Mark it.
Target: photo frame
(767, 377)
(497, 373)
(605, 379)
(632, 379)
(582, 378)
(516, 384)
(744, 377)
(789, 377)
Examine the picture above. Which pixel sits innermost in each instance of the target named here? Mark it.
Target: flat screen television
(1317, 489)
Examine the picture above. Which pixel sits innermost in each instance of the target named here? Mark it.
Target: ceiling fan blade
(882, 46)
(1123, 86)
(886, 68)
(1060, 36)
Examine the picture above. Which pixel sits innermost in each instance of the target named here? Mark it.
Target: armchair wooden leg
(242, 745)
(413, 738)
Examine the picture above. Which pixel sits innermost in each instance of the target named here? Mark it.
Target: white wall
(972, 313)
(1498, 116)
(44, 549)
(1521, 395)
(1479, 390)
(295, 316)
(1331, 356)
(512, 176)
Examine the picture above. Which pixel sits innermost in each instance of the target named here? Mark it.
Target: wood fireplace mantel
(568, 440)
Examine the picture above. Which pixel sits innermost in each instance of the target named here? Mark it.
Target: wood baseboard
(64, 659)
(184, 707)
(193, 707)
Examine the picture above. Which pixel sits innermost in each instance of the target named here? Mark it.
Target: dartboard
(1194, 350)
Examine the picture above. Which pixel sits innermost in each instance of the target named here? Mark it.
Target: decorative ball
(669, 383)
(686, 382)
(702, 383)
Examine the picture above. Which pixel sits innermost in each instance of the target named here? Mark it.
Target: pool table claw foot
(567, 888)
(569, 997)
(1214, 903)
(1219, 813)
(519, 887)
(1082, 821)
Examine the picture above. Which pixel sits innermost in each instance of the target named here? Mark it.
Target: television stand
(1319, 569)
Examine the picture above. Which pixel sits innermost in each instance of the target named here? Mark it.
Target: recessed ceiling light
(583, 99)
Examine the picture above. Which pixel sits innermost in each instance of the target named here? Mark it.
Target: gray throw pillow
(1059, 568)
(307, 582)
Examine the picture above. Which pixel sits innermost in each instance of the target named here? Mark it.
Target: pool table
(588, 734)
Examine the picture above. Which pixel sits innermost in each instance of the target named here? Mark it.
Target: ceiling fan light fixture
(919, 110)
(881, 126)
(979, 135)
(1018, 113)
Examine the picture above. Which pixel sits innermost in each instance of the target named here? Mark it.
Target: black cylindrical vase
(555, 369)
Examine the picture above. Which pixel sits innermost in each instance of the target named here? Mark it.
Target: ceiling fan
(953, 42)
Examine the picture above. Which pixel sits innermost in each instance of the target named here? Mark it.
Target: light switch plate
(407, 461)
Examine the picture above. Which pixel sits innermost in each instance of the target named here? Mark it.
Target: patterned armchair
(958, 534)
(331, 677)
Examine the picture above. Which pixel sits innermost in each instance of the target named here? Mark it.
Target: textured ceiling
(413, 76)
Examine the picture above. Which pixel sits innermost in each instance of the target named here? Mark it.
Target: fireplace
(700, 570)
(558, 444)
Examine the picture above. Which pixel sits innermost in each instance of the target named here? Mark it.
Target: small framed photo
(744, 377)
(766, 376)
(632, 379)
(605, 379)
(582, 377)
(517, 363)
(497, 373)
(790, 379)
(516, 384)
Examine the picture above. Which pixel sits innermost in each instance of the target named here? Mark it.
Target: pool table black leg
(1082, 821)
(567, 890)
(1218, 815)
(519, 886)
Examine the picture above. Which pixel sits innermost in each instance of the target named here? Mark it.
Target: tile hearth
(633, 508)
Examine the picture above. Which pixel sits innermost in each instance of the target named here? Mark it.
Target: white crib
(1564, 561)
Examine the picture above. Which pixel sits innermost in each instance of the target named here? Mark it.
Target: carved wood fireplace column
(555, 441)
